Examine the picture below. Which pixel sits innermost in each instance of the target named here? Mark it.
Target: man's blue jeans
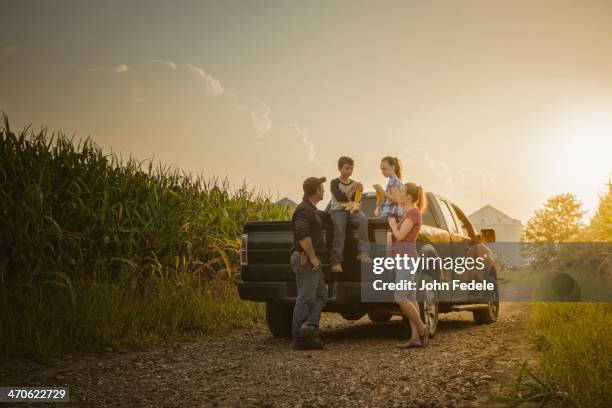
(311, 295)
(360, 222)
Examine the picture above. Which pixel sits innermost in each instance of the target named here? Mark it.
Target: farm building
(508, 232)
(286, 202)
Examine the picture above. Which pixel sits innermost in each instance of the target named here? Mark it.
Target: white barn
(286, 202)
(508, 232)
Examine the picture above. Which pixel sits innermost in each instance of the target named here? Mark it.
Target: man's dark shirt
(306, 222)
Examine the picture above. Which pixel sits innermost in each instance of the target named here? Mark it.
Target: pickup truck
(266, 274)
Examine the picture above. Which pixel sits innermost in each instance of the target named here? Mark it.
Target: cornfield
(98, 251)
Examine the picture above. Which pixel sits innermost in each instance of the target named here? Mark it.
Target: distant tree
(560, 220)
(600, 228)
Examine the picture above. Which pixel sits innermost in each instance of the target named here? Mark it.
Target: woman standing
(413, 202)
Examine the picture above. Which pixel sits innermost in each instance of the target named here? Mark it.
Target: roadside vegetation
(98, 252)
(574, 338)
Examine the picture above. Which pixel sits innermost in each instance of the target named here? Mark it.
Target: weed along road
(360, 366)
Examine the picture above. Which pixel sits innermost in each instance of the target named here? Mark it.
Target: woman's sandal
(425, 337)
(409, 344)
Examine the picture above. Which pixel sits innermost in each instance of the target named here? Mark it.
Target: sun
(580, 154)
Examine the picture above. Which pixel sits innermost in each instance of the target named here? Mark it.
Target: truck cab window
(429, 218)
(466, 227)
(448, 217)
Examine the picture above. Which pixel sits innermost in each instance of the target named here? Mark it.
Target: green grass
(101, 252)
(576, 344)
(574, 340)
(112, 314)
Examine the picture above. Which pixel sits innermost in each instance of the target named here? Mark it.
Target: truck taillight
(243, 249)
(389, 243)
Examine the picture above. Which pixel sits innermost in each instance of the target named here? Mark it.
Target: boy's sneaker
(364, 258)
(336, 268)
(307, 344)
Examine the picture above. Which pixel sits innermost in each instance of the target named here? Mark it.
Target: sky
(501, 103)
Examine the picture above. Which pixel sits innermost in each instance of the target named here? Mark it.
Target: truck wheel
(489, 314)
(378, 317)
(428, 317)
(429, 314)
(429, 306)
(428, 310)
(352, 314)
(279, 317)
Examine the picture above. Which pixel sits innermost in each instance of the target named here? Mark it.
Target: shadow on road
(390, 330)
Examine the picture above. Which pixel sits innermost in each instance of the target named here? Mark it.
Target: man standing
(308, 246)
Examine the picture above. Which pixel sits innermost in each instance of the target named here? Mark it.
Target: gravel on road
(360, 366)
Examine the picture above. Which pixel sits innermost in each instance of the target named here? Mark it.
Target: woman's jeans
(311, 295)
(360, 222)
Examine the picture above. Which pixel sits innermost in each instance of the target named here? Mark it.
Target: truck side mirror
(487, 236)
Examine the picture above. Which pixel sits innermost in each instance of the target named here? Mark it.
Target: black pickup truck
(266, 275)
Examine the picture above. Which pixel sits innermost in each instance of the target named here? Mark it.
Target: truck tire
(429, 307)
(428, 310)
(352, 314)
(279, 318)
(378, 317)
(406, 331)
(489, 314)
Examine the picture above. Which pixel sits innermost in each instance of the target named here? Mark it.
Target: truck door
(445, 245)
(452, 225)
(468, 249)
(460, 247)
(434, 228)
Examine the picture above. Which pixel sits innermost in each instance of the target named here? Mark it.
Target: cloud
(121, 68)
(168, 64)
(451, 176)
(213, 130)
(309, 145)
(257, 110)
(259, 113)
(10, 48)
(213, 85)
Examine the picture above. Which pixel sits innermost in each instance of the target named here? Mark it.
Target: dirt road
(360, 366)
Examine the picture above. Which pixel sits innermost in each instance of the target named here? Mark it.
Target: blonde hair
(416, 192)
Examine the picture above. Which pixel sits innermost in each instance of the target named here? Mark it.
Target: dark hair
(311, 184)
(345, 160)
(418, 196)
(395, 163)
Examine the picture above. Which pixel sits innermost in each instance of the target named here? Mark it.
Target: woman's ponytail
(418, 195)
(421, 199)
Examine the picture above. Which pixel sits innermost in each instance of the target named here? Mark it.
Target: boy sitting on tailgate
(343, 208)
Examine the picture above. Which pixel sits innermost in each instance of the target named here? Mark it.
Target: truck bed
(269, 245)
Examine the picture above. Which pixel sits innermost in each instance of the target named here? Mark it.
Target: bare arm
(393, 195)
(400, 233)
